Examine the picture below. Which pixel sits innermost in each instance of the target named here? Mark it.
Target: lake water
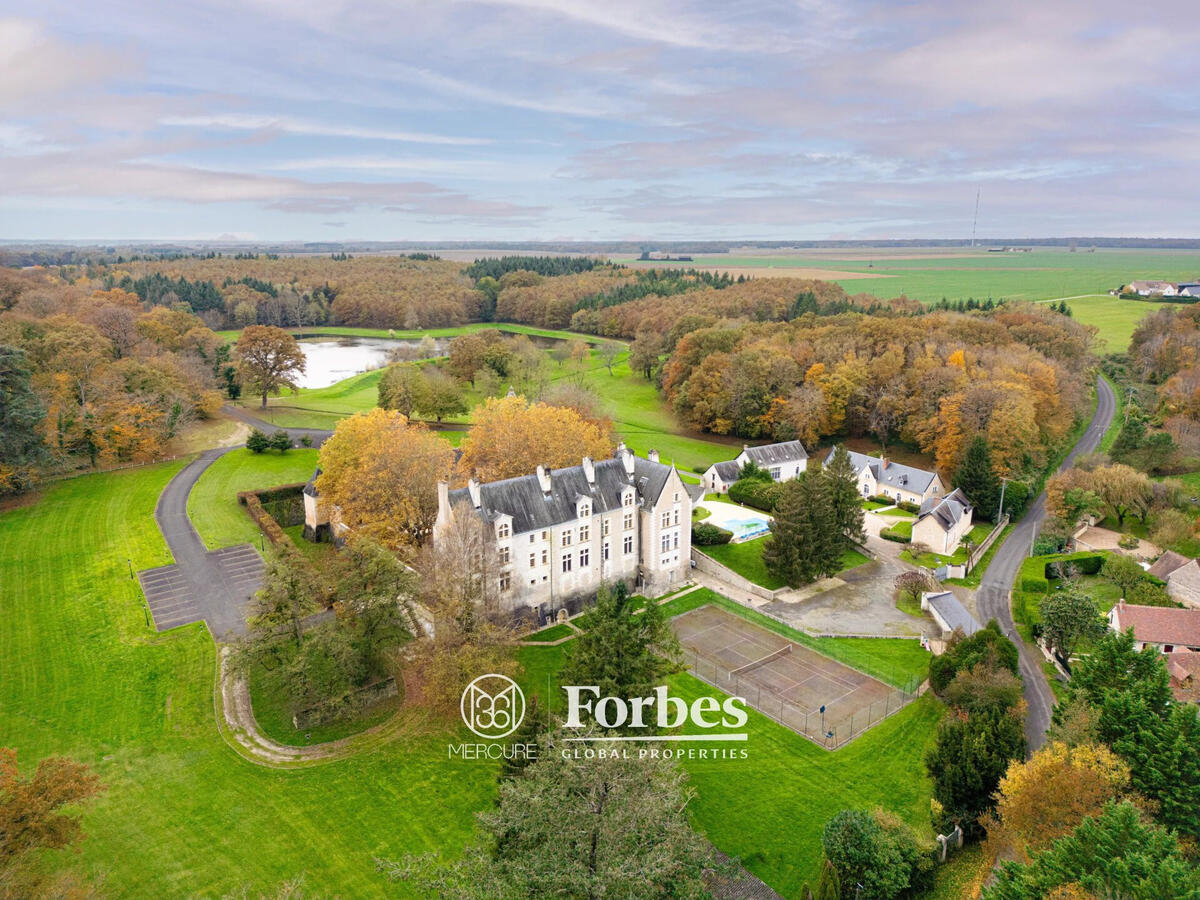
(329, 360)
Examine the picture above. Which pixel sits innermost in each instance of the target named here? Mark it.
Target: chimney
(543, 479)
(628, 460)
(589, 471)
(885, 464)
(473, 489)
(443, 498)
(620, 450)
(652, 455)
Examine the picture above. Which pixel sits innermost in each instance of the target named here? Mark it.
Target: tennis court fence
(831, 729)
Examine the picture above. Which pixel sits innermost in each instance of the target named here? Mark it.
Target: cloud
(35, 64)
(290, 125)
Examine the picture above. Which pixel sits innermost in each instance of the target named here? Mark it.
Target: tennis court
(784, 680)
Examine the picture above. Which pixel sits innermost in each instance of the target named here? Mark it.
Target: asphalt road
(993, 595)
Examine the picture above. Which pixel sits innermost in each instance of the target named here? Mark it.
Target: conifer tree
(844, 501)
(976, 478)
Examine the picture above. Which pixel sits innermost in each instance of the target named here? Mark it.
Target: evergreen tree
(830, 886)
(976, 478)
(623, 652)
(532, 727)
(21, 445)
(968, 759)
(845, 504)
(804, 544)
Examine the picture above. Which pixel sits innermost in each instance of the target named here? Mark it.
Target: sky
(513, 120)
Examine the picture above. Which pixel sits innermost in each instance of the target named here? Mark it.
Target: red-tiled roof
(1159, 624)
(1183, 664)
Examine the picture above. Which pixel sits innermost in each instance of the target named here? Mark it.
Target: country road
(996, 586)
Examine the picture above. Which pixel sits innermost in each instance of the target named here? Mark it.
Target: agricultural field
(929, 275)
(1114, 318)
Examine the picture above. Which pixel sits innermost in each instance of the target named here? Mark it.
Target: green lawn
(771, 807)
(553, 633)
(746, 559)
(213, 505)
(184, 815)
(901, 529)
(898, 513)
(317, 553)
(271, 710)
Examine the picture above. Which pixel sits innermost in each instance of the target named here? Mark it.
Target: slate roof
(531, 509)
(1159, 624)
(951, 611)
(1167, 563)
(948, 511)
(311, 487)
(728, 470)
(771, 454)
(893, 474)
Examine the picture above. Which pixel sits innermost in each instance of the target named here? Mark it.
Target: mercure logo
(492, 706)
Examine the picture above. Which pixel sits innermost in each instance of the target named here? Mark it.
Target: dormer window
(628, 498)
(585, 510)
(503, 531)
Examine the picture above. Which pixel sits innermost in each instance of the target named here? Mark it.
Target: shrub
(759, 494)
(257, 442)
(908, 507)
(280, 440)
(877, 852)
(987, 645)
(306, 440)
(900, 533)
(705, 534)
(1128, 542)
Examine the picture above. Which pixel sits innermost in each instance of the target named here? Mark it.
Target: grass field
(771, 807)
(184, 815)
(1113, 317)
(213, 505)
(929, 276)
(746, 559)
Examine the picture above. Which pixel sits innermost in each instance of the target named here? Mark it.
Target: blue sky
(597, 119)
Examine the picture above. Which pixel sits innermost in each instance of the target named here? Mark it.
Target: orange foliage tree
(513, 437)
(379, 476)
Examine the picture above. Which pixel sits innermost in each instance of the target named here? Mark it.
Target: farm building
(1147, 288)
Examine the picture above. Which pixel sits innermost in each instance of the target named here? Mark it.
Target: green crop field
(184, 815)
(212, 505)
(1114, 318)
(930, 275)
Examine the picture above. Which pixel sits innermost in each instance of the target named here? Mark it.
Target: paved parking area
(218, 591)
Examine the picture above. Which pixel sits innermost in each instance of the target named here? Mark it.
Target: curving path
(212, 586)
(995, 589)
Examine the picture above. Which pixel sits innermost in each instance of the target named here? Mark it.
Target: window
(566, 562)
(628, 545)
(531, 538)
(566, 537)
(604, 528)
(505, 582)
(503, 531)
(676, 541)
(676, 516)
(532, 560)
(666, 542)
(585, 510)
(666, 520)
(628, 521)
(585, 533)
(677, 496)
(504, 556)
(545, 557)
(604, 552)
(543, 535)
(585, 557)
(628, 501)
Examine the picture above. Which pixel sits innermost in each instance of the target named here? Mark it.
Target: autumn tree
(466, 356)
(572, 828)
(379, 476)
(442, 397)
(513, 437)
(609, 351)
(41, 811)
(644, 353)
(403, 388)
(1040, 801)
(269, 359)
(912, 583)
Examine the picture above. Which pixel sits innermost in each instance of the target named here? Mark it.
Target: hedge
(759, 494)
(901, 533)
(705, 534)
(1034, 575)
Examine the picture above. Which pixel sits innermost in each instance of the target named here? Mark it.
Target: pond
(331, 359)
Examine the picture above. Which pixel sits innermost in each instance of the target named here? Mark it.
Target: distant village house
(783, 460)
(879, 476)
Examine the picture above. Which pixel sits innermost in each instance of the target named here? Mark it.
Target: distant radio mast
(975, 221)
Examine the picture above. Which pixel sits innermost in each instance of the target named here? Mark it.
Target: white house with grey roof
(943, 522)
(949, 613)
(784, 460)
(880, 476)
(562, 533)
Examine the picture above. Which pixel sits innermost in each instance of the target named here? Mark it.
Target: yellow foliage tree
(379, 476)
(1043, 799)
(513, 437)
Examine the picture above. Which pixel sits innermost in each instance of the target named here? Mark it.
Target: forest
(114, 359)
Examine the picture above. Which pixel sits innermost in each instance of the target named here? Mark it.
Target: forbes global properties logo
(492, 706)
